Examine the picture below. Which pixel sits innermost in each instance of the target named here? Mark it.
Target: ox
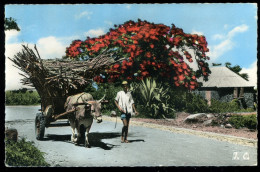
(81, 120)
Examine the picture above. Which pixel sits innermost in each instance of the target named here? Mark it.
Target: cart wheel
(39, 126)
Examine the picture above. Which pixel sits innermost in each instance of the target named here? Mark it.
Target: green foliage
(159, 100)
(237, 69)
(110, 90)
(216, 64)
(153, 99)
(22, 97)
(222, 107)
(178, 98)
(10, 24)
(196, 104)
(239, 121)
(182, 100)
(23, 153)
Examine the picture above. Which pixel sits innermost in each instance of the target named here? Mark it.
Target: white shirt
(125, 101)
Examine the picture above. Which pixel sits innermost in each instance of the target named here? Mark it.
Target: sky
(230, 29)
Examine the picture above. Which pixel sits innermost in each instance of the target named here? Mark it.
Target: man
(125, 103)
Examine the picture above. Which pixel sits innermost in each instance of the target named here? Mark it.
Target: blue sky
(230, 29)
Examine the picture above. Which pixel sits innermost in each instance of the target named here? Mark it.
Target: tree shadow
(95, 139)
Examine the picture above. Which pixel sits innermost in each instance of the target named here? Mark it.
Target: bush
(248, 121)
(178, 98)
(222, 107)
(196, 104)
(22, 97)
(23, 153)
(182, 100)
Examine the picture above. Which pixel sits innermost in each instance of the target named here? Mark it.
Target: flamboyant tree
(149, 50)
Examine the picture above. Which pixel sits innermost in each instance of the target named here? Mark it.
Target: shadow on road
(95, 139)
(55, 137)
(139, 140)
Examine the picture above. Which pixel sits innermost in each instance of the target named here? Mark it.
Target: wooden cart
(56, 79)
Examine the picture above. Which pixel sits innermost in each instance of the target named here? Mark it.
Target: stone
(11, 134)
(216, 114)
(195, 117)
(228, 126)
(210, 115)
(113, 113)
(207, 123)
(228, 115)
(222, 126)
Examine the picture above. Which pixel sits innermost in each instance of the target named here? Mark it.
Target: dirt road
(149, 146)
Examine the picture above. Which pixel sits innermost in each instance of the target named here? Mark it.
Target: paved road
(148, 147)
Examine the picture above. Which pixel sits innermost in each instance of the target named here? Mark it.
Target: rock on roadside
(195, 117)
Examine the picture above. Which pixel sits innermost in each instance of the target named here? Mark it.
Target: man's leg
(124, 130)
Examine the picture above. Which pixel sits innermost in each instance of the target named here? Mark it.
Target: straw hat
(124, 83)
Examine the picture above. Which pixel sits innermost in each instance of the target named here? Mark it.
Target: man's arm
(133, 105)
(119, 108)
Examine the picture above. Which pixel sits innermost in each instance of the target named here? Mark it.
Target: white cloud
(197, 32)
(220, 49)
(84, 14)
(227, 43)
(12, 76)
(252, 73)
(11, 35)
(51, 47)
(95, 33)
(238, 29)
(218, 36)
(48, 47)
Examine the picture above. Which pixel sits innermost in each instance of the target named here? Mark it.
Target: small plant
(239, 121)
(153, 99)
(23, 153)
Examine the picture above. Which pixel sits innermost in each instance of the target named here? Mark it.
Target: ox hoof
(74, 140)
(87, 146)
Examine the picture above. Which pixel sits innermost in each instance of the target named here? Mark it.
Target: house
(225, 85)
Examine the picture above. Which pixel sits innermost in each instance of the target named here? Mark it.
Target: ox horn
(101, 98)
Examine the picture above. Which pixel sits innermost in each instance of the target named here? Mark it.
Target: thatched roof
(224, 77)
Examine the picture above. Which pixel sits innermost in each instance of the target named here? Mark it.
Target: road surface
(147, 147)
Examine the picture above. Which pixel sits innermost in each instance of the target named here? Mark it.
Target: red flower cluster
(148, 50)
(73, 50)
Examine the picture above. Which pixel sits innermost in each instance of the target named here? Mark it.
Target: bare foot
(126, 141)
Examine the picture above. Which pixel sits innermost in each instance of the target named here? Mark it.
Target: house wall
(227, 95)
(249, 97)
